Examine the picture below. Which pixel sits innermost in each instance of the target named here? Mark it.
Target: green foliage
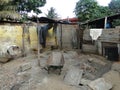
(85, 9)
(28, 5)
(90, 10)
(11, 8)
(51, 13)
(103, 11)
(114, 5)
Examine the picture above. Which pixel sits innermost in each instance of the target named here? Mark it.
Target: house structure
(103, 40)
(25, 36)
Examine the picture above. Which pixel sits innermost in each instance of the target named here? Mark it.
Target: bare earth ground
(25, 74)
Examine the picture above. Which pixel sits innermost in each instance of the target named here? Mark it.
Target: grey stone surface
(25, 67)
(73, 76)
(100, 84)
(116, 67)
(112, 77)
(84, 81)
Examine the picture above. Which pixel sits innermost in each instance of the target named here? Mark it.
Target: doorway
(112, 53)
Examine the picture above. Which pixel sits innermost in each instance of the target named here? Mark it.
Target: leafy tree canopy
(12, 8)
(51, 13)
(89, 10)
(114, 5)
(85, 9)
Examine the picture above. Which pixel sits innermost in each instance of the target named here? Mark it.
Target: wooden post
(105, 22)
(78, 36)
(81, 36)
(61, 36)
(23, 42)
(38, 44)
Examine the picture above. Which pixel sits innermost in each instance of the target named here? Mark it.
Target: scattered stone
(56, 59)
(4, 59)
(24, 76)
(73, 76)
(89, 76)
(97, 61)
(16, 87)
(116, 87)
(100, 84)
(25, 67)
(112, 77)
(84, 88)
(116, 67)
(84, 81)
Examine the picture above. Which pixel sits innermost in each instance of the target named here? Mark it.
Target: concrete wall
(108, 36)
(69, 36)
(13, 35)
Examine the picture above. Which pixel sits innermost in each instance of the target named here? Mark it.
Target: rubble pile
(80, 72)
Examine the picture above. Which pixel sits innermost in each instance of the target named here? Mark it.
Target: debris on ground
(80, 72)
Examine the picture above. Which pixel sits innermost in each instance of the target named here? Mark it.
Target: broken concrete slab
(116, 67)
(112, 77)
(97, 61)
(56, 59)
(116, 87)
(73, 76)
(100, 84)
(84, 88)
(23, 76)
(89, 76)
(4, 59)
(84, 81)
(25, 67)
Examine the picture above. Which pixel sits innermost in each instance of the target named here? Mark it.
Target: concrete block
(112, 77)
(73, 76)
(25, 67)
(116, 67)
(84, 81)
(100, 84)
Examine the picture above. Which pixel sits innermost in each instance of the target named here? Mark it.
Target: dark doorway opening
(112, 53)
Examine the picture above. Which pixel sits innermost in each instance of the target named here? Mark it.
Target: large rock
(25, 67)
(116, 87)
(8, 51)
(84, 81)
(73, 76)
(112, 77)
(116, 67)
(56, 59)
(100, 84)
(4, 59)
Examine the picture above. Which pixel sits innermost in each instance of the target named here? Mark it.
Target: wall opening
(110, 51)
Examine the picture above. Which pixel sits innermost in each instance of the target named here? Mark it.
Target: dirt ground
(24, 73)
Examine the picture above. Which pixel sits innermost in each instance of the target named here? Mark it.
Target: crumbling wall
(69, 36)
(110, 35)
(22, 36)
(107, 36)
